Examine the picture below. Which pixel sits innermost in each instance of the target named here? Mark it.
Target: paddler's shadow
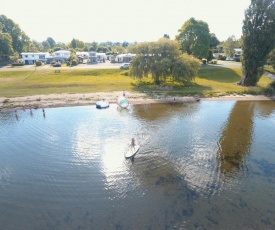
(132, 159)
(160, 174)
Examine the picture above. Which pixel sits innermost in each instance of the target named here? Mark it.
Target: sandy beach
(67, 100)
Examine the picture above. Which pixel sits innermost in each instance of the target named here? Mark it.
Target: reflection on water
(236, 138)
(67, 170)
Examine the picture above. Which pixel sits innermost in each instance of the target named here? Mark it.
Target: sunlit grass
(211, 81)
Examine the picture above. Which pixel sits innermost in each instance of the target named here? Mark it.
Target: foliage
(46, 45)
(271, 58)
(36, 46)
(73, 60)
(162, 59)
(194, 38)
(270, 90)
(103, 49)
(214, 41)
(119, 49)
(57, 49)
(38, 63)
(51, 42)
(229, 45)
(77, 44)
(93, 46)
(73, 44)
(221, 57)
(19, 39)
(17, 64)
(5, 45)
(272, 84)
(258, 39)
(125, 44)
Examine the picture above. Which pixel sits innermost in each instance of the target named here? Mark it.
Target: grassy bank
(210, 81)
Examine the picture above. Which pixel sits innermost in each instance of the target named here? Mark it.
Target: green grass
(269, 69)
(211, 81)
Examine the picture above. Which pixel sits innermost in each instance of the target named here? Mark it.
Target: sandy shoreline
(68, 100)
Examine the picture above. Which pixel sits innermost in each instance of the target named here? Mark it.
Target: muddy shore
(68, 100)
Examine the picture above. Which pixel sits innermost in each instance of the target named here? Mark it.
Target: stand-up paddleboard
(131, 151)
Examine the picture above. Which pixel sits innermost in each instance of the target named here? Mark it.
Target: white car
(125, 66)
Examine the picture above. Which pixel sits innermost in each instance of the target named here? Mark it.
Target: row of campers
(83, 57)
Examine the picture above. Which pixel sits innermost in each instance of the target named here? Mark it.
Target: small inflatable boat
(102, 104)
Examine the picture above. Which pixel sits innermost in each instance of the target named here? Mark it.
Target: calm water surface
(207, 165)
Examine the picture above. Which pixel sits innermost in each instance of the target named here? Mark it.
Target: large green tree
(214, 41)
(194, 38)
(271, 58)
(51, 42)
(5, 45)
(20, 41)
(258, 39)
(46, 45)
(163, 59)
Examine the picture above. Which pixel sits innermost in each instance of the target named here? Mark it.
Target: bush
(17, 64)
(221, 57)
(38, 63)
(68, 63)
(74, 63)
(272, 84)
(270, 91)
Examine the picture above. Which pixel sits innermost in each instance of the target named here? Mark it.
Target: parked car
(57, 64)
(125, 66)
(230, 59)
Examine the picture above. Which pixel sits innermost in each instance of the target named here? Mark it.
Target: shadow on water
(162, 111)
(159, 176)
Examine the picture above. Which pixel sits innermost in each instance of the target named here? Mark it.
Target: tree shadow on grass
(191, 88)
(220, 74)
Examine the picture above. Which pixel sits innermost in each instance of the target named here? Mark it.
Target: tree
(229, 45)
(94, 46)
(194, 38)
(5, 45)
(61, 45)
(77, 44)
(163, 59)
(258, 39)
(125, 44)
(51, 42)
(46, 45)
(119, 49)
(102, 49)
(214, 41)
(38, 45)
(271, 58)
(20, 41)
(73, 43)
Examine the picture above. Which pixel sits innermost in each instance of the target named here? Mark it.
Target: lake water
(206, 165)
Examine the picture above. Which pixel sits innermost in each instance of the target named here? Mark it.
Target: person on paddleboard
(133, 142)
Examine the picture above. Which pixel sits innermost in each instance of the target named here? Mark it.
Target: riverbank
(68, 100)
